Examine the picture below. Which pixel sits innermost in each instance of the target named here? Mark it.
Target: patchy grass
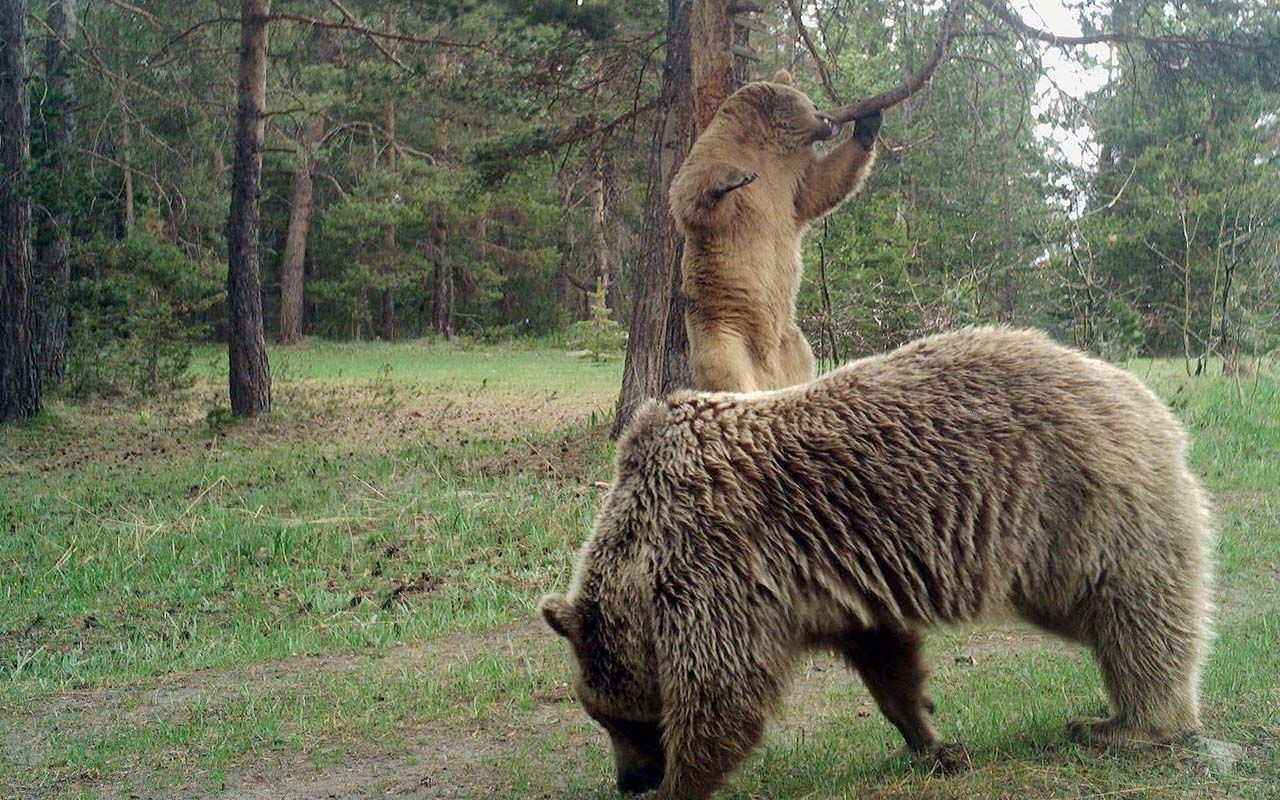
(336, 600)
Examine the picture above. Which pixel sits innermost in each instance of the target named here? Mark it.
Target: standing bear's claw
(732, 179)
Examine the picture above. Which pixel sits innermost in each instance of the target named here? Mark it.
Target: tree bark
(20, 389)
(126, 161)
(250, 378)
(442, 272)
(301, 206)
(293, 262)
(442, 279)
(388, 321)
(53, 255)
(600, 256)
(696, 77)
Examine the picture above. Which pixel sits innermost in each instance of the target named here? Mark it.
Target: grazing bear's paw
(1107, 732)
(947, 758)
(950, 758)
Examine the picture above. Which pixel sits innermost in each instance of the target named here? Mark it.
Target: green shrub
(600, 335)
(135, 306)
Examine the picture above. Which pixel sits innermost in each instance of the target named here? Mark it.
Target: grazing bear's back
(943, 476)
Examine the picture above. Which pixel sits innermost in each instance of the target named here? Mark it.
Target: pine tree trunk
(250, 378)
(53, 257)
(696, 77)
(301, 206)
(600, 256)
(388, 321)
(20, 395)
(293, 262)
(126, 160)
(442, 279)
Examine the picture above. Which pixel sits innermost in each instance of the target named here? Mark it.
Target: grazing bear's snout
(638, 755)
(640, 780)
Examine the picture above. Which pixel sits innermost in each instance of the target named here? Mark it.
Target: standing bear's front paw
(865, 128)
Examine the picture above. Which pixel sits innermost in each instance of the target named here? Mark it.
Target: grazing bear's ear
(560, 615)
(781, 76)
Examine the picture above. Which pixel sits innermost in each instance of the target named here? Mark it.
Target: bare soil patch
(434, 760)
(126, 436)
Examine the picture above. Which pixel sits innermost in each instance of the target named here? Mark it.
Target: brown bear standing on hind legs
(960, 477)
(750, 186)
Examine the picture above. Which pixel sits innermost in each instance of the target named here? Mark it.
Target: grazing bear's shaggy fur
(750, 186)
(956, 478)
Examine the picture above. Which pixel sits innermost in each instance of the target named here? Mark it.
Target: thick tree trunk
(19, 372)
(442, 279)
(53, 256)
(293, 262)
(250, 377)
(696, 77)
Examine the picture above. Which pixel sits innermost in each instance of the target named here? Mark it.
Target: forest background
(496, 169)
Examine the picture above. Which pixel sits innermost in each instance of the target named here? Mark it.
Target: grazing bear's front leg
(840, 173)
(892, 666)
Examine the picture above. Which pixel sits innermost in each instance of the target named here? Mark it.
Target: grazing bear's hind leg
(1150, 648)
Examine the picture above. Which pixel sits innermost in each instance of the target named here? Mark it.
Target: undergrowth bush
(135, 309)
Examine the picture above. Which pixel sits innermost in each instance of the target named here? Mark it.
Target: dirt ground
(436, 761)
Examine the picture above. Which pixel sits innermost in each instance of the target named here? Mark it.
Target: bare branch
(914, 83)
(373, 40)
(823, 73)
(923, 75)
(595, 127)
(139, 12)
(1007, 16)
(390, 35)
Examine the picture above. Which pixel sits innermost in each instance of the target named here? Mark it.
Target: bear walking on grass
(743, 198)
(958, 478)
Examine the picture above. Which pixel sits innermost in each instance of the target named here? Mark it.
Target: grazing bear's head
(776, 114)
(615, 682)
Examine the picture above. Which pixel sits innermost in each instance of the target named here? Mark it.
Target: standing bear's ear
(560, 615)
(781, 76)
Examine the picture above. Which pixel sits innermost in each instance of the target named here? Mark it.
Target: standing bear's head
(773, 115)
(766, 132)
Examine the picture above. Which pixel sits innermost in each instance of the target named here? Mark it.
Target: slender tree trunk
(301, 207)
(19, 373)
(293, 262)
(250, 377)
(126, 160)
(388, 322)
(600, 256)
(442, 270)
(55, 248)
(696, 77)
(442, 279)
(566, 292)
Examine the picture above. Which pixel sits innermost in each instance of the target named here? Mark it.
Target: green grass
(346, 585)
